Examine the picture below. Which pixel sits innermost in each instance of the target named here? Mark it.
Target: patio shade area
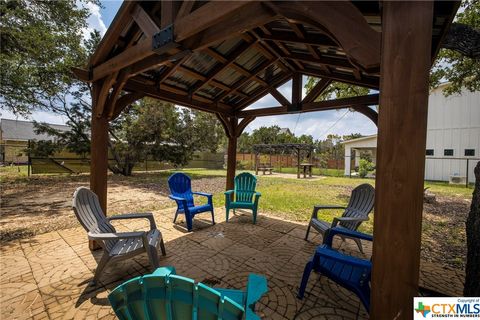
(220, 57)
(46, 277)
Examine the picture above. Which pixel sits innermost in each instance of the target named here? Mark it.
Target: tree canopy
(453, 67)
(41, 41)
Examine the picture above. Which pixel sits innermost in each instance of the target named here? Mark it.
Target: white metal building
(453, 137)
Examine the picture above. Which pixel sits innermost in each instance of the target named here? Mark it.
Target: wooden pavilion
(299, 149)
(220, 57)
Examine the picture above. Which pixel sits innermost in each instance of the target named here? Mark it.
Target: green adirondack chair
(165, 295)
(244, 195)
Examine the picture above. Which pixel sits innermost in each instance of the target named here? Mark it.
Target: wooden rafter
(239, 84)
(333, 17)
(117, 89)
(230, 60)
(325, 61)
(185, 8)
(368, 112)
(151, 90)
(263, 92)
(125, 101)
(371, 99)
(317, 41)
(296, 88)
(370, 82)
(144, 21)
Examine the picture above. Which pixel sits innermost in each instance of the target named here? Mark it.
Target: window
(429, 152)
(469, 152)
(448, 152)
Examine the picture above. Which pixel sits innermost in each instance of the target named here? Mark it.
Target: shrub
(365, 167)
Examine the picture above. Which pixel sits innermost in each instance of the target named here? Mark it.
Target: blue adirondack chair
(350, 272)
(181, 191)
(165, 295)
(244, 195)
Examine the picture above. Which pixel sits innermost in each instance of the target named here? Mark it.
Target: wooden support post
(298, 163)
(405, 65)
(231, 161)
(98, 155)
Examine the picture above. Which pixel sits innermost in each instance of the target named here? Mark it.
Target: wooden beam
(368, 112)
(402, 131)
(144, 21)
(98, 153)
(124, 101)
(368, 82)
(239, 84)
(317, 90)
(361, 43)
(103, 93)
(81, 74)
(137, 85)
(263, 92)
(138, 52)
(243, 124)
(113, 32)
(117, 89)
(327, 61)
(214, 54)
(278, 96)
(296, 88)
(208, 15)
(230, 60)
(232, 20)
(317, 40)
(371, 99)
(185, 8)
(167, 13)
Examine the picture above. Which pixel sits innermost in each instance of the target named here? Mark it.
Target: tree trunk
(472, 270)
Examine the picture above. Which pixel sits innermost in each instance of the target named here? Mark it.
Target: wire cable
(333, 125)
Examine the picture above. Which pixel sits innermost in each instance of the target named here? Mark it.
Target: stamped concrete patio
(47, 277)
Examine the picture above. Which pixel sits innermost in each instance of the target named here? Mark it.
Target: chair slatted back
(360, 205)
(245, 184)
(181, 186)
(90, 215)
(168, 296)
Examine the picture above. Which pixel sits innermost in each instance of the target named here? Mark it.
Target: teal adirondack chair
(244, 195)
(165, 295)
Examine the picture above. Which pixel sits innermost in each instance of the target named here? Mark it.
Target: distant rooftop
(24, 130)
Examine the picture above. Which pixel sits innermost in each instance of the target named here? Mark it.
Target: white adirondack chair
(116, 245)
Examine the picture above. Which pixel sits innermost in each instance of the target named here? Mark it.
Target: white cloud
(95, 21)
(40, 116)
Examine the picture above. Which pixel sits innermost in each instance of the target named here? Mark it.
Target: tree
(472, 270)
(336, 90)
(454, 67)
(41, 41)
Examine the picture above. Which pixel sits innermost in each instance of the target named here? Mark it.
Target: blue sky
(317, 124)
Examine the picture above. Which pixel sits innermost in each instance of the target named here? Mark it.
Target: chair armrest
(116, 236)
(145, 215)
(176, 198)
(203, 194)
(256, 288)
(322, 207)
(340, 257)
(347, 219)
(258, 194)
(345, 232)
(228, 196)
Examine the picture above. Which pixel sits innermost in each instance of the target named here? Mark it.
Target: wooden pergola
(284, 147)
(220, 57)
